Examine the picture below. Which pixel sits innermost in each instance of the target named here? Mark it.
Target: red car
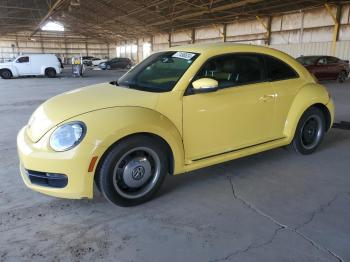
(326, 67)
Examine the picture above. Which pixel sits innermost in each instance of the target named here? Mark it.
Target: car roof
(220, 47)
(36, 55)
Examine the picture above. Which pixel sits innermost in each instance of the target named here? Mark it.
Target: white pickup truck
(34, 64)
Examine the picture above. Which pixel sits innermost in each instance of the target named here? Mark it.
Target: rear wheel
(133, 171)
(50, 72)
(6, 74)
(310, 131)
(342, 77)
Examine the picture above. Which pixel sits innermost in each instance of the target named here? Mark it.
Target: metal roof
(114, 20)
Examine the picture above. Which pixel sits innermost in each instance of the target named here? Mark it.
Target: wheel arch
(109, 126)
(311, 95)
(6, 68)
(170, 154)
(45, 67)
(326, 113)
(49, 67)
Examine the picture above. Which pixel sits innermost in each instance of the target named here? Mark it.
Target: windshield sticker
(184, 55)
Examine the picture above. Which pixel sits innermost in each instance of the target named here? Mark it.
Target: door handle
(266, 98)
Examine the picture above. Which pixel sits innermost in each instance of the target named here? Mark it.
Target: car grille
(47, 179)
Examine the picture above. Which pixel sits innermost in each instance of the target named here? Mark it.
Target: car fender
(107, 126)
(12, 68)
(44, 67)
(310, 94)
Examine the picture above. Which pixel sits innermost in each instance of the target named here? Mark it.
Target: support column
(65, 47)
(301, 28)
(169, 39)
(86, 48)
(336, 19)
(108, 50)
(224, 32)
(193, 36)
(137, 51)
(17, 47)
(267, 28)
(152, 43)
(41, 44)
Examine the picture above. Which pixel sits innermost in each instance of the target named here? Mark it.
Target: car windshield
(159, 72)
(308, 60)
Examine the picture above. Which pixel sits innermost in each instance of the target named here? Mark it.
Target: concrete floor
(274, 206)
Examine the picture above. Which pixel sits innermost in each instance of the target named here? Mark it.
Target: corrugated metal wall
(321, 48)
(65, 46)
(301, 33)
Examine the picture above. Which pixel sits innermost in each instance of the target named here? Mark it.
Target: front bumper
(38, 158)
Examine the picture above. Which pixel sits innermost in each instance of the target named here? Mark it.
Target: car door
(112, 63)
(23, 65)
(118, 63)
(321, 70)
(333, 67)
(238, 115)
(286, 83)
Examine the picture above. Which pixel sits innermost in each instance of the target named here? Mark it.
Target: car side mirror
(205, 85)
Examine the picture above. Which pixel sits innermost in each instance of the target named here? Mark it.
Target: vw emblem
(138, 173)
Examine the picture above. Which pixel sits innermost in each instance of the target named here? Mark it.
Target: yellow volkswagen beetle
(179, 110)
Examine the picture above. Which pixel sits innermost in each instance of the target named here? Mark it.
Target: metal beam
(53, 8)
(209, 10)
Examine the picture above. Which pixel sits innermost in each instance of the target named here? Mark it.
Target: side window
(332, 60)
(278, 70)
(322, 61)
(234, 70)
(23, 59)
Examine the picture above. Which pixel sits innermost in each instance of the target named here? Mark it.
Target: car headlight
(67, 136)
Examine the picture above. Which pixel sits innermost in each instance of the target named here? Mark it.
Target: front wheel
(133, 171)
(6, 74)
(310, 131)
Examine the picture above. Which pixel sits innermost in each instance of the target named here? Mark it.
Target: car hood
(5, 64)
(83, 100)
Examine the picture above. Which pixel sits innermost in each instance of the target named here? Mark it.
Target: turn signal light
(92, 164)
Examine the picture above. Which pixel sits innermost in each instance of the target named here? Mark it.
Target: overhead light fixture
(52, 26)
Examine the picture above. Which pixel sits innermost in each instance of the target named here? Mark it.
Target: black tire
(309, 132)
(50, 72)
(342, 77)
(133, 171)
(6, 74)
(128, 66)
(108, 67)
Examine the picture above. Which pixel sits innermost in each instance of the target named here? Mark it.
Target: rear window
(308, 60)
(278, 70)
